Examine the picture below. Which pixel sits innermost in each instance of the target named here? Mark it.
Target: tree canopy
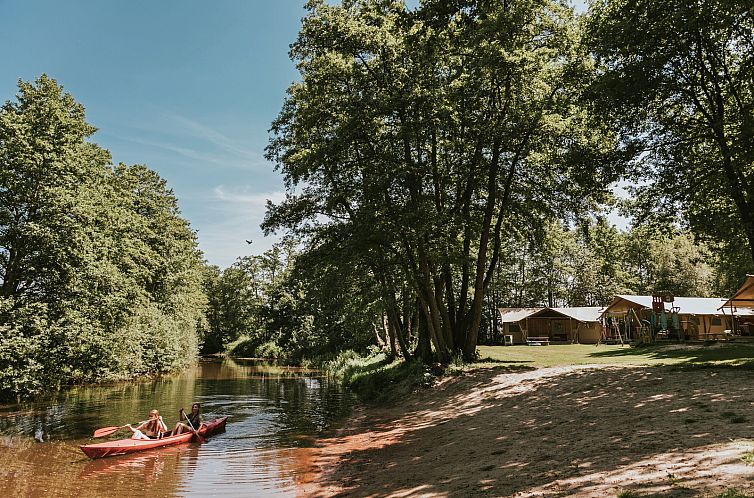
(100, 277)
(677, 78)
(415, 139)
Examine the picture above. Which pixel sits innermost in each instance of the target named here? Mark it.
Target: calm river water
(275, 414)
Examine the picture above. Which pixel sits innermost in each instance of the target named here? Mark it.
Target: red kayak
(123, 446)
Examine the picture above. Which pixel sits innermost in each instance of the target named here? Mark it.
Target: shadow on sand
(574, 432)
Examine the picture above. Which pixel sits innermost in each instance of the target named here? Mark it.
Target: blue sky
(188, 88)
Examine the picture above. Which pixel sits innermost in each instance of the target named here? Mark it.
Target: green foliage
(247, 347)
(278, 305)
(101, 278)
(589, 264)
(676, 262)
(235, 298)
(377, 378)
(416, 139)
(243, 347)
(676, 78)
(325, 305)
(270, 350)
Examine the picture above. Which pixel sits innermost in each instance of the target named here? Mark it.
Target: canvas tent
(510, 322)
(586, 322)
(580, 324)
(741, 307)
(700, 317)
(744, 297)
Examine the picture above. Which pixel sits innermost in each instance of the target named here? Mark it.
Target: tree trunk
(472, 333)
(397, 326)
(423, 346)
(380, 341)
(389, 336)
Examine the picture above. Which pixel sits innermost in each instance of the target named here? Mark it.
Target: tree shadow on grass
(738, 355)
(567, 432)
(511, 362)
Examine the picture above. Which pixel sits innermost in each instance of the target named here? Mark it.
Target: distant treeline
(100, 277)
(285, 305)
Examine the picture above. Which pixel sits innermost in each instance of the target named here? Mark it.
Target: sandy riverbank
(590, 431)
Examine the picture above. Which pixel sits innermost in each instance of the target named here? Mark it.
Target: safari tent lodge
(664, 317)
(550, 325)
(740, 308)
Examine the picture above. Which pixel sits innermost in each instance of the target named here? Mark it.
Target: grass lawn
(379, 378)
(740, 355)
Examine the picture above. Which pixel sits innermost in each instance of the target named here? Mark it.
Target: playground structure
(644, 326)
(663, 318)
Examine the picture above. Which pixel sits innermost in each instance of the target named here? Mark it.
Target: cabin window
(514, 327)
(716, 321)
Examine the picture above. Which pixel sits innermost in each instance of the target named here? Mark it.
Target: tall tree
(678, 78)
(422, 135)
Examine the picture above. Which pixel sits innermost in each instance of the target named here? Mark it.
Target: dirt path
(590, 431)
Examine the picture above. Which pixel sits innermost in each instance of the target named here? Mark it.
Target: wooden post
(732, 319)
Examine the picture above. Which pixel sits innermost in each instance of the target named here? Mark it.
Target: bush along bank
(378, 378)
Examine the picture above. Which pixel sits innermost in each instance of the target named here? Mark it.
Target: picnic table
(538, 341)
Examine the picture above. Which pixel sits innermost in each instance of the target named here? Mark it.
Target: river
(275, 412)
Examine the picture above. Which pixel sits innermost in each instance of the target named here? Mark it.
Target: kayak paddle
(198, 437)
(106, 431)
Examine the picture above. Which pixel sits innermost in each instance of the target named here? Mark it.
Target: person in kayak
(153, 428)
(195, 417)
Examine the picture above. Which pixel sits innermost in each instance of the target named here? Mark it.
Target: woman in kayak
(194, 417)
(151, 429)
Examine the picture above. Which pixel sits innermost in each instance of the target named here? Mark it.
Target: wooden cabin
(740, 308)
(558, 325)
(566, 325)
(510, 322)
(700, 318)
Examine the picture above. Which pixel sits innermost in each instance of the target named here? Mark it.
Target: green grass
(748, 458)
(697, 356)
(377, 378)
(732, 493)
(628, 494)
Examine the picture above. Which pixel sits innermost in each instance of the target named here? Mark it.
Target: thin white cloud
(177, 149)
(219, 159)
(171, 131)
(239, 212)
(246, 196)
(201, 131)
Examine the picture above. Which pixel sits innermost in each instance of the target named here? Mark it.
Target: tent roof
(687, 305)
(744, 297)
(582, 313)
(510, 315)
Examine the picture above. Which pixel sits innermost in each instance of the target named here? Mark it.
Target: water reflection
(274, 411)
